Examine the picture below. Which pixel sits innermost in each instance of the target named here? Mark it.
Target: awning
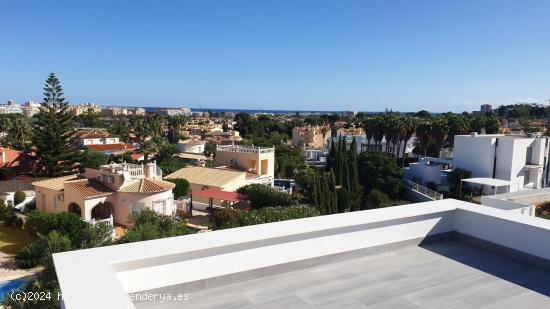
(488, 181)
(220, 195)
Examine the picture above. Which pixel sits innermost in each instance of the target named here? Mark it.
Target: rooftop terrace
(445, 273)
(417, 255)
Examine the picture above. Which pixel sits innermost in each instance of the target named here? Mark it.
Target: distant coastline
(150, 109)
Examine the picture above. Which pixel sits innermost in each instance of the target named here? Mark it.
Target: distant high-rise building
(486, 108)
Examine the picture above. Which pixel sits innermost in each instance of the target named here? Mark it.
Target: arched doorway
(102, 211)
(75, 209)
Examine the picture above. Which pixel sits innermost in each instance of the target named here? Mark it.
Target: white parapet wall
(115, 271)
(522, 202)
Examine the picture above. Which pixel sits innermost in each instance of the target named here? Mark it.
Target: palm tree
(147, 148)
(20, 133)
(423, 136)
(457, 125)
(440, 127)
(369, 125)
(410, 126)
(378, 132)
(5, 125)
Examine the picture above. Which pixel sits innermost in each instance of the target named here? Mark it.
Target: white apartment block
(184, 111)
(522, 160)
(11, 108)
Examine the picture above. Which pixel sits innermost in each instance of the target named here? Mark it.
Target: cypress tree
(332, 197)
(54, 128)
(355, 188)
(315, 192)
(331, 158)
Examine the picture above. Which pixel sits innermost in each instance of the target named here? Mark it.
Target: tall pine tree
(54, 133)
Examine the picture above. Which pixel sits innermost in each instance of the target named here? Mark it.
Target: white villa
(257, 162)
(191, 146)
(519, 159)
(111, 192)
(498, 162)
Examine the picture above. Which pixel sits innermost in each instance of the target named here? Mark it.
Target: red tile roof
(88, 188)
(147, 186)
(111, 147)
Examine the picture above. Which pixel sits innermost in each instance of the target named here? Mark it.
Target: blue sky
(306, 55)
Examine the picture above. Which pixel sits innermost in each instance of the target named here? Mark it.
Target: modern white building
(183, 111)
(11, 107)
(426, 255)
(521, 160)
(427, 170)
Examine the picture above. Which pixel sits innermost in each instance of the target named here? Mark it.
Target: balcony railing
(244, 149)
(423, 190)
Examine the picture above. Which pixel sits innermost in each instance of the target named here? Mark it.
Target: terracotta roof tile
(88, 188)
(111, 147)
(146, 186)
(55, 183)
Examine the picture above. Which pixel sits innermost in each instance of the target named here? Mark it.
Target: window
(159, 207)
(137, 207)
(60, 197)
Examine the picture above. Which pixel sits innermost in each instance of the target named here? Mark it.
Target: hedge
(229, 218)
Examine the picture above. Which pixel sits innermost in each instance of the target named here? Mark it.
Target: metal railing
(244, 149)
(423, 190)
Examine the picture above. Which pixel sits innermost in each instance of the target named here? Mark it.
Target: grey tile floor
(444, 274)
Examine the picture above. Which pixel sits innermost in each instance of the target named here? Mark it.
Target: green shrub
(150, 225)
(377, 199)
(265, 196)
(19, 197)
(182, 187)
(542, 210)
(41, 223)
(229, 218)
(30, 256)
(5, 211)
(455, 177)
(30, 206)
(226, 218)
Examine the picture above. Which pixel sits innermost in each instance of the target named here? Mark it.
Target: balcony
(133, 171)
(244, 149)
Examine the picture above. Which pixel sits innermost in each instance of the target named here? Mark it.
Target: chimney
(473, 134)
(149, 170)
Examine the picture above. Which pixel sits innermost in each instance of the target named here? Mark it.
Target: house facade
(257, 162)
(112, 192)
(310, 136)
(94, 137)
(191, 146)
(202, 178)
(522, 160)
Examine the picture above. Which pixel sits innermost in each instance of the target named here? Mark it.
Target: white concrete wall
(427, 173)
(229, 251)
(511, 206)
(522, 233)
(474, 154)
(192, 148)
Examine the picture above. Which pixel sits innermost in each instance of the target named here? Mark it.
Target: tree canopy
(54, 133)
